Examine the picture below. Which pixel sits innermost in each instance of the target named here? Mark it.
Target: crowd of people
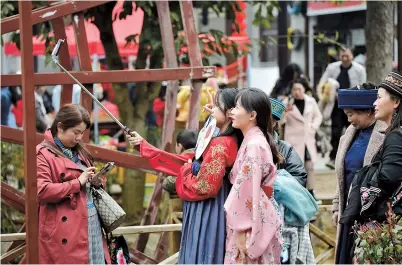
(249, 193)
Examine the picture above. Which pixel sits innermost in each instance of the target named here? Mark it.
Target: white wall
(264, 77)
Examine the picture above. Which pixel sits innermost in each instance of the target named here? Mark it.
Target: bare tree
(379, 39)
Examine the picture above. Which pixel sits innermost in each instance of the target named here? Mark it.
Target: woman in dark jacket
(387, 177)
(357, 148)
(292, 162)
(377, 184)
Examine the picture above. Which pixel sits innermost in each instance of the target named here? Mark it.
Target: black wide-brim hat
(393, 83)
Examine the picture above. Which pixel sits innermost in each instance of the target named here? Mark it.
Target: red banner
(330, 7)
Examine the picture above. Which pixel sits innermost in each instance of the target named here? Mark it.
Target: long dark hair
(228, 98)
(288, 74)
(70, 116)
(254, 99)
(396, 121)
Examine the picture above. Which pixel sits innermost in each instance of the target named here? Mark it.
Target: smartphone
(291, 101)
(106, 168)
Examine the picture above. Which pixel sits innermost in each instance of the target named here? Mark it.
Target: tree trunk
(379, 39)
(134, 180)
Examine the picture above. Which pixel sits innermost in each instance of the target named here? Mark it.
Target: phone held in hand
(106, 169)
(291, 101)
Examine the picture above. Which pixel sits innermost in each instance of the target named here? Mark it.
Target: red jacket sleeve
(220, 154)
(163, 161)
(159, 106)
(48, 191)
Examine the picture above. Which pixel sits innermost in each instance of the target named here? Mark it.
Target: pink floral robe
(249, 208)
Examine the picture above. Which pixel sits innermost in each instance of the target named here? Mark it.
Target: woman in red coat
(69, 226)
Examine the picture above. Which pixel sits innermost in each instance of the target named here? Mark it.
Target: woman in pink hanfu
(253, 235)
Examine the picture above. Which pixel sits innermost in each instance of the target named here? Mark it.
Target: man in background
(348, 74)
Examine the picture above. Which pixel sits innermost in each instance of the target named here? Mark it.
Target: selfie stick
(55, 53)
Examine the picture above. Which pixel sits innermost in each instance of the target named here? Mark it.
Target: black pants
(339, 121)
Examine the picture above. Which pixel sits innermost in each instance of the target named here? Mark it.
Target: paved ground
(325, 180)
(325, 190)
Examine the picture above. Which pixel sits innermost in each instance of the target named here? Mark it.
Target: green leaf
(205, 61)
(379, 252)
(175, 17)
(215, 8)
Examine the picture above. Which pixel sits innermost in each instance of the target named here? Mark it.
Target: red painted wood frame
(28, 79)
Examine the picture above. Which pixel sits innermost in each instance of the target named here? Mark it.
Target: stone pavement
(325, 180)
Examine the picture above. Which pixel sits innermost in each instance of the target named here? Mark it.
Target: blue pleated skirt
(204, 230)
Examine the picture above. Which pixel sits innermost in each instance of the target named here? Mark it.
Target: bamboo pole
(323, 257)
(119, 231)
(13, 254)
(321, 235)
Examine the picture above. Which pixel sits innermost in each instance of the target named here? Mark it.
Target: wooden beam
(66, 94)
(13, 254)
(84, 59)
(57, 10)
(130, 230)
(13, 197)
(194, 54)
(126, 230)
(323, 257)
(325, 208)
(178, 214)
(16, 244)
(121, 159)
(322, 236)
(28, 99)
(114, 76)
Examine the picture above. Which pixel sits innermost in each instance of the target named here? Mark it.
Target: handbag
(300, 205)
(109, 211)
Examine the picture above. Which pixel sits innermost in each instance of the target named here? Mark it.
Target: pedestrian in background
(302, 120)
(348, 74)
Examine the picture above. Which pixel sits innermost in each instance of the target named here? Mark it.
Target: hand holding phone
(97, 179)
(289, 106)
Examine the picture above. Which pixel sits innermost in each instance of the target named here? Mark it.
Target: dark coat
(292, 162)
(381, 179)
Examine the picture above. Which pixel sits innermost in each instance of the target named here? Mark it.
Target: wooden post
(169, 51)
(169, 120)
(283, 52)
(64, 56)
(28, 98)
(84, 59)
(194, 54)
